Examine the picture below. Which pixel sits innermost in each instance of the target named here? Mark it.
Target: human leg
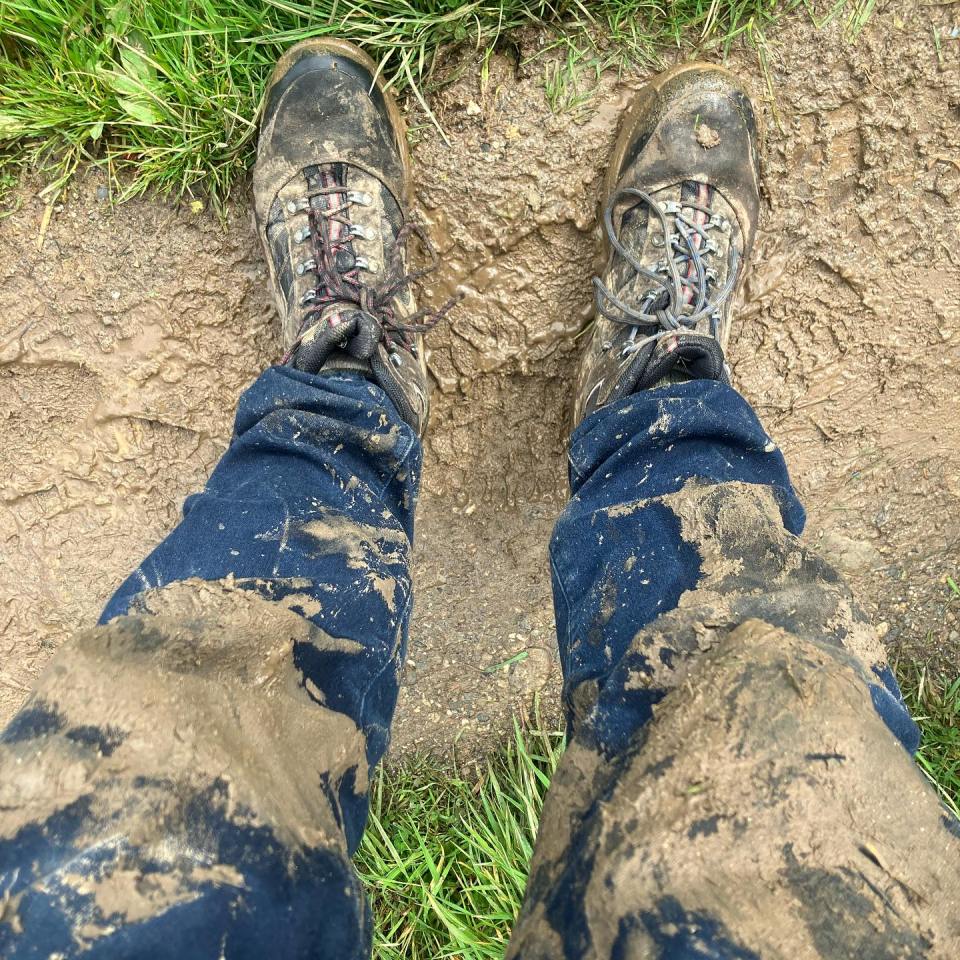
(189, 778)
(736, 783)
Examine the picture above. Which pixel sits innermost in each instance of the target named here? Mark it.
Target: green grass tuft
(934, 702)
(445, 858)
(166, 92)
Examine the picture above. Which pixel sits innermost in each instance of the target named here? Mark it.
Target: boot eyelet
(302, 268)
(301, 235)
(359, 230)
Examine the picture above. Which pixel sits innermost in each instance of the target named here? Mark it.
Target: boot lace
(330, 231)
(683, 291)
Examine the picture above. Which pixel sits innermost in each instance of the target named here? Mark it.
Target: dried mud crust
(125, 341)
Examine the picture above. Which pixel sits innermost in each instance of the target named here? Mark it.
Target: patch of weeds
(933, 699)
(934, 702)
(563, 82)
(9, 178)
(166, 92)
(856, 13)
(445, 858)
(860, 14)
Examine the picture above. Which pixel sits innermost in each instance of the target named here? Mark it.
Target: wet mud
(158, 749)
(740, 822)
(126, 335)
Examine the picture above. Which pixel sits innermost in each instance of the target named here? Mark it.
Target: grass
(165, 93)
(934, 702)
(562, 81)
(445, 858)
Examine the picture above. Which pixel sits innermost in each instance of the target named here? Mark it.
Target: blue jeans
(189, 778)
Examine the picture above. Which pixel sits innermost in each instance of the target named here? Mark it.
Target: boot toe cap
(324, 106)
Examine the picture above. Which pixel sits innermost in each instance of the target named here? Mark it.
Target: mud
(786, 583)
(154, 734)
(740, 822)
(126, 334)
(219, 643)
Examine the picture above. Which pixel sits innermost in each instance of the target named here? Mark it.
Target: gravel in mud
(126, 337)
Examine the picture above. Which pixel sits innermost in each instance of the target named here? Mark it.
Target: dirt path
(125, 340)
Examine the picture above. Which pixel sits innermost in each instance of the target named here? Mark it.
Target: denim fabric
(691, 621)
(311, 509)
(615, 569)
(314, 499)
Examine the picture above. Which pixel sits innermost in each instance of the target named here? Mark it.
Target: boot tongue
(679, 356)
(344, 337)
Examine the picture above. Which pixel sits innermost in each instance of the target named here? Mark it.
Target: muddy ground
(125, 339)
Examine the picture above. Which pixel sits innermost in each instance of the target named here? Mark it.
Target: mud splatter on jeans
(189, 779)
(739, 780)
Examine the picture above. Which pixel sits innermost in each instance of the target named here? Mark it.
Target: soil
(128, 330)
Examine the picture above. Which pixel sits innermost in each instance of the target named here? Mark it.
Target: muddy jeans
(189, 778)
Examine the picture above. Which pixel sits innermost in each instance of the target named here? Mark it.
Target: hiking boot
(331, 185)
(680, 208)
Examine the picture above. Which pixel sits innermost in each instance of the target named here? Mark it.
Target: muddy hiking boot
(331, 186)
(680, 208)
